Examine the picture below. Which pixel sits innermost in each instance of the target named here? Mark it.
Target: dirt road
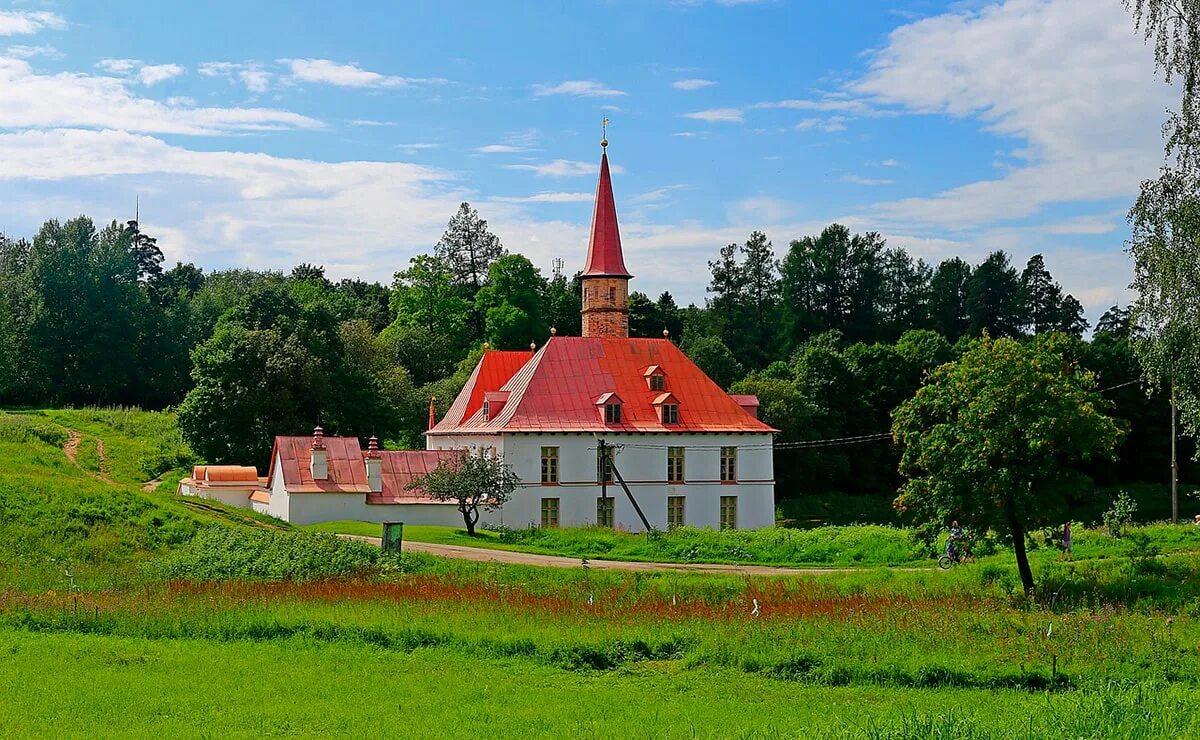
(483, 554)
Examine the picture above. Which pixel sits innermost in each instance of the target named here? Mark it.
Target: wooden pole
(1174, 463)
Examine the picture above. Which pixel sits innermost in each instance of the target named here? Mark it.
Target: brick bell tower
(605, 279)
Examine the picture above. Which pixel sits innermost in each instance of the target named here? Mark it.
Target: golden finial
(604, 131)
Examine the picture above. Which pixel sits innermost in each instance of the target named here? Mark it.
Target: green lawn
(848, 546)
(183, 688)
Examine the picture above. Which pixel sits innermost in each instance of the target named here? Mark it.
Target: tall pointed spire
(604, 248)
(605, 279)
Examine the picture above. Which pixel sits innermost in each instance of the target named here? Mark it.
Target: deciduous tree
(473, 480)
(997, 440)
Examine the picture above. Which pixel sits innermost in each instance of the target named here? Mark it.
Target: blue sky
(263, 134)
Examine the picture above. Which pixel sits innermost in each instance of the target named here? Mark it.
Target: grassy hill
(87, 491)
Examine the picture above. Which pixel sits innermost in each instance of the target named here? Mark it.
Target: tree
(997, 438)
(146, 253)
(511, 303)
(1175, 27)
(834, 282)
(670, 315)
(712, 356)
(905, 296)
(309, 273)
(423, 295)
(760, 274)
(949, 290)
(994, 298)
(643, 316)
(469, 249)
(1041, 296)
(563, 304)
(472, 480)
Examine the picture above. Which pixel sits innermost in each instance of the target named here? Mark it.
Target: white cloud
(232, 208)
(370, 123)
(547, 198)
(692, 84)
(251, 74)
(417, 147)
(870, 181)
(152, 74)
(1068, 78)
(717, 115)
(26, 22)
(578, 88)
(327, 72)
(760, 210)
(890, 163)
(67, 99)
(833, 103)
(22, 51)
(830, 125)
(500, 149)
(562, 168)
(118, 66)
(659, 195)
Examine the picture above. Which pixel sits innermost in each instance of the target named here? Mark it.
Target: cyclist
(954, 543)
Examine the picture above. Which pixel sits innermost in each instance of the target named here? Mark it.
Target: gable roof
(402, 467)
(492, 372)
(557, 388)
(347, 473)
(348, 470)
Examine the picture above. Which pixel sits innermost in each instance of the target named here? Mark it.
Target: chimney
(432, 412)
(374, 466)
(319, 465)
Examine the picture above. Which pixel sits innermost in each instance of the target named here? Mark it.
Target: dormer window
(668, 408)
(612, 413)
(655, 378)
(609, 405)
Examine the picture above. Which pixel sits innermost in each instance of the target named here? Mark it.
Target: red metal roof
(492, 372)
(402, 467)
(556, 391)
(346, 470)
(604, 248)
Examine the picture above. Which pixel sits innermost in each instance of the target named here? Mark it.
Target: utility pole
(1174, 463)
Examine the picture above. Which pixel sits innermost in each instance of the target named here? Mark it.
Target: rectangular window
(674, 465)
(729, 512)
(549, 465)
(658, 383)
(604, 472)
(487, 411)
(549, 512)
(675, 517)
(612, 413)
(728, 464)
(670, 413)
(612, 294)
(604, 511)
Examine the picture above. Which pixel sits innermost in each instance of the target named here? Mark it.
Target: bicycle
(955, 555)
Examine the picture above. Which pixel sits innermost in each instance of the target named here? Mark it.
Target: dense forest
(832, 336)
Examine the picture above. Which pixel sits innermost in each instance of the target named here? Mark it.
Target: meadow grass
(848, 546)
(188, 688)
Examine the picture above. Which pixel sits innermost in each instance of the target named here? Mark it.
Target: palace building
(597, 427)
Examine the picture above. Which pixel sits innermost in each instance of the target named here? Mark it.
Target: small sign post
(393, 537)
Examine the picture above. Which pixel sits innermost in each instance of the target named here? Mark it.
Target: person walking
(1065, 543)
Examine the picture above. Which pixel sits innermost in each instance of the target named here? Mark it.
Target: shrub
(219, 553)
(1120, 514)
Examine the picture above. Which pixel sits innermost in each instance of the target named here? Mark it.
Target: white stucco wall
(643, 464)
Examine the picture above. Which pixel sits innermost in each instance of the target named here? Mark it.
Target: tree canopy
(998, 440)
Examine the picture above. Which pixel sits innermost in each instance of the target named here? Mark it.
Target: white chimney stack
(320, 456)
(374, 466)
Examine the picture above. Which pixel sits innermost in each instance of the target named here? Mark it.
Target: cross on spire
(604, 131)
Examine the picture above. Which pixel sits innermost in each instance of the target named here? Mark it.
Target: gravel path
(483, 554)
